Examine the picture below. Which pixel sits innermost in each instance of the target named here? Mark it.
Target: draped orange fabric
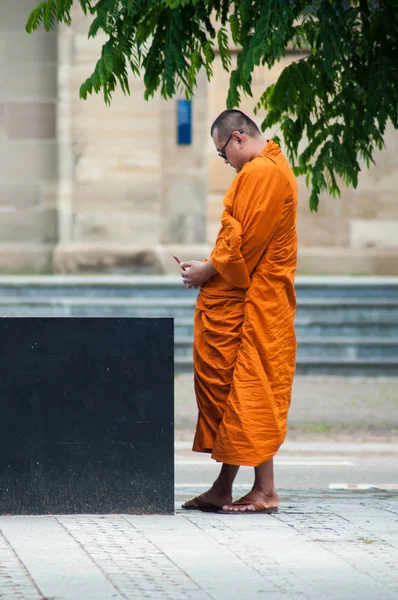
(244, 339)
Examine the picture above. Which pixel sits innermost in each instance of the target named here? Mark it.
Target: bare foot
(211, 497)
(254, 501)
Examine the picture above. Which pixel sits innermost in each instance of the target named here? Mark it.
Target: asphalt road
(343, 431)
(325, 464)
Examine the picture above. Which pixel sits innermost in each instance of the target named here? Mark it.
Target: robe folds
(244, 338)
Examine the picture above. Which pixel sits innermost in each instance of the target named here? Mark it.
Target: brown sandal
(201, 505)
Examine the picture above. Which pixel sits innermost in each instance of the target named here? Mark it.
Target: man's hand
(196, 273)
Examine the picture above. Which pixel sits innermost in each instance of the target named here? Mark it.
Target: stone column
(28, 146)
(110, 171)
(65, 149)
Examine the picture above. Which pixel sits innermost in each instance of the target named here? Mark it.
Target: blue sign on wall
(184, 122)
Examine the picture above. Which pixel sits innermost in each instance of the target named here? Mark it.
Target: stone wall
(28, 146)
(90, 188)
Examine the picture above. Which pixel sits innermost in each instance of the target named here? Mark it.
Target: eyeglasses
(221, 152)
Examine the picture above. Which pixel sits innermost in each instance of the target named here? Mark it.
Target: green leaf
(277, 140)
(36, 17)
(224, 48)
(209, 58)
(50, 15)
(86, 6)
(235, 28)
(314, 198)
(233, 98)
(107, 55)
(63, 14)
(95, 26)
(130, 5)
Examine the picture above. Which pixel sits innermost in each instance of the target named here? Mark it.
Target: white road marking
(182, 486)
(280, 462)
(363, 486)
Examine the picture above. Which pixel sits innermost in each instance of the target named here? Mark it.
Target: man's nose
(226, 161)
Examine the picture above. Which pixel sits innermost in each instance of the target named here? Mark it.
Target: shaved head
(234, 120)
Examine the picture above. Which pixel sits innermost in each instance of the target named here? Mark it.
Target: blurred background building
(88, 188)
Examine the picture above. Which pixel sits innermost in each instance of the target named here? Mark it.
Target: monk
(244, 338)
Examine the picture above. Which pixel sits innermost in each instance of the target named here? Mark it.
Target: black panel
(87, 419)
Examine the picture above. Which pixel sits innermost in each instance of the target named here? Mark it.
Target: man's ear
(241, 139)
(238, 137)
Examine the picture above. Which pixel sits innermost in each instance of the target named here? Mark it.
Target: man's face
(233, 150)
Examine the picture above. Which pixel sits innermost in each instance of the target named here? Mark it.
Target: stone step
(96, 307)
(325, 310)
(170, 286)
(309, 328)
(346, 328)
(324, 348)
(344, 325)
(369, 367)
(347, 310)
(95, 287)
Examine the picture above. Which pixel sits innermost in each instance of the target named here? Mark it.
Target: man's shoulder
(260, 166)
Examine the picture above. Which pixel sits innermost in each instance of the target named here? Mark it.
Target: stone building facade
(88, 188)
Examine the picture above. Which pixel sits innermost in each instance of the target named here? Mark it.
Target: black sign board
(86, 415)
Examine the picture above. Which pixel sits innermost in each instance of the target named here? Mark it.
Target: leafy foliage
(338, 95)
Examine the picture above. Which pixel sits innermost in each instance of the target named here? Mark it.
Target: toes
(232, 508)
(243, 508)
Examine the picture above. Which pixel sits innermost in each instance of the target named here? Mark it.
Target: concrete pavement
(333, 545)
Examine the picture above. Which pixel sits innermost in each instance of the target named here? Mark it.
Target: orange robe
(244, 339)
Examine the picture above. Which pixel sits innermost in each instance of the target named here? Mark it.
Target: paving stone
(15, 581)
(137, 567)
(339, 545)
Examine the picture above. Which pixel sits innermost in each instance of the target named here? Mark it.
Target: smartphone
(178, 260)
